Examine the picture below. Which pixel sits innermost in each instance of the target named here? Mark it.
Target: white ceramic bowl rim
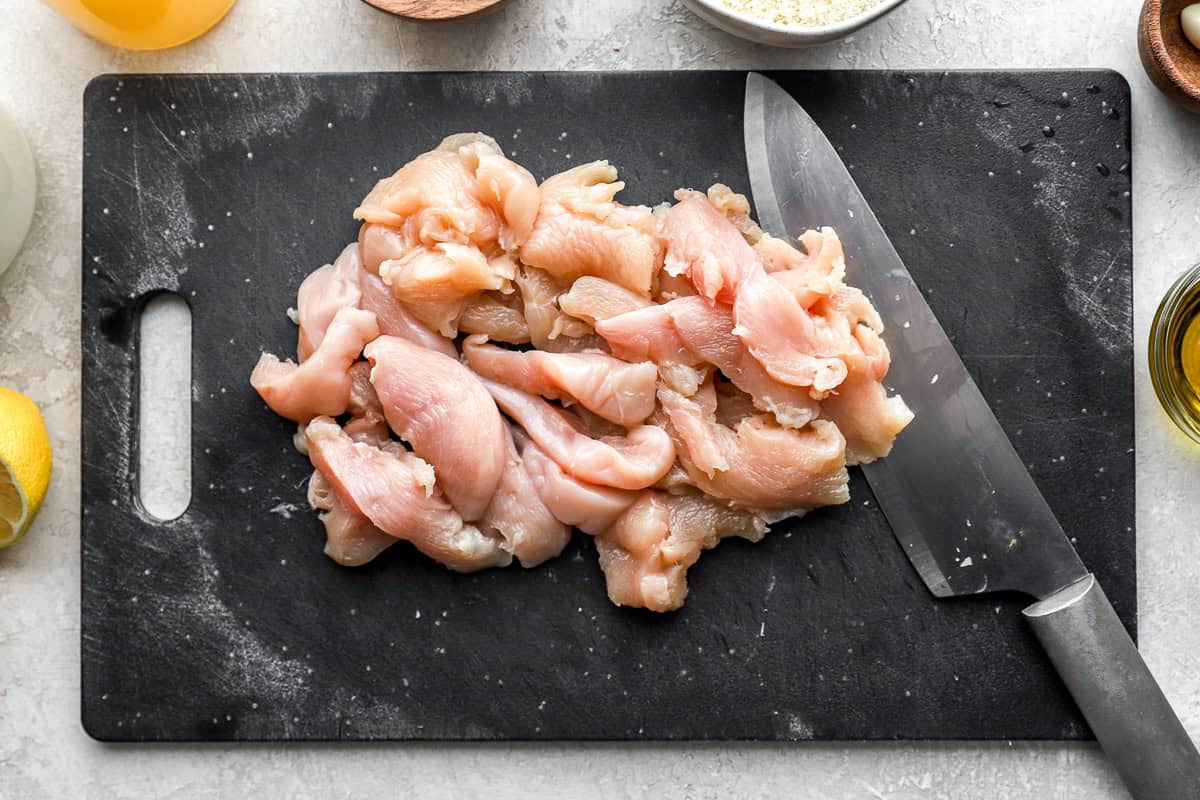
(833, 29)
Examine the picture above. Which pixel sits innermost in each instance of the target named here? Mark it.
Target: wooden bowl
(437, 10)
(1171, 61)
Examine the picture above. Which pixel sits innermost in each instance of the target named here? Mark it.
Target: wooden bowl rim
(1152, 20)
(472, 7)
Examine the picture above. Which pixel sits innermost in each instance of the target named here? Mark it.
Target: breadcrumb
(802, 13)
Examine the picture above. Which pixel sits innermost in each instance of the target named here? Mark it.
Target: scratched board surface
(1006, 193)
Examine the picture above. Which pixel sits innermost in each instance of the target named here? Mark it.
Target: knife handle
(1114, 689)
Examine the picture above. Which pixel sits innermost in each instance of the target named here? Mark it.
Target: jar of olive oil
(1175, 353)
(143, 24)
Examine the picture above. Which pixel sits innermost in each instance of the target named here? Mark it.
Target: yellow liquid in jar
(1175, 353)
(1189, 356)
(143, 24)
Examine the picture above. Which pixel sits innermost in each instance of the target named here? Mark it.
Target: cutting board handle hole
(164, 422)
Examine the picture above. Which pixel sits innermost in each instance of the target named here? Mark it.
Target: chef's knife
(960, 501)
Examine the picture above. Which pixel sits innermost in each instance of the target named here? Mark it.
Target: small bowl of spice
(791, 23)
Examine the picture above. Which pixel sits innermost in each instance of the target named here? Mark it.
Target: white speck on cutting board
(966, 562)
(284, 510)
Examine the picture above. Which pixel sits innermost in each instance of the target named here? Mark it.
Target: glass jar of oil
(143, 24)
(1175, 353)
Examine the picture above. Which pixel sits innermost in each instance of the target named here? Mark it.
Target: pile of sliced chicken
(495, 362)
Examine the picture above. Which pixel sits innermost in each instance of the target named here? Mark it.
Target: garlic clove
(1190, 18)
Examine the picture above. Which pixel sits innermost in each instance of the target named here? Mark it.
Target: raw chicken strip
(587, 506)
(549, 328)
(498, 316)
(811, 275)
(439, 407)
(378, 243)
(703, 244)
(591, 299)
(581, 230)
(853, 305)
(321, 385)
(435, 282)
(395, 490)
(736, 209)
(616, 390)
(465, 191)
(634, 461)
(363, 401)
(676, 481)
(511, 191)
(367, 422)
(432, 199)
(757, 464)
(370, 431)
(520, 518)
(350, 538)
(671, 287)
(649, 334)
(395, 320)
(792, 346)
(866, 416)
(708, 332)
(322, 294)
(645, 556)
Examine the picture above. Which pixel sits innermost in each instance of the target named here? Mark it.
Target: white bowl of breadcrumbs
(791, 23)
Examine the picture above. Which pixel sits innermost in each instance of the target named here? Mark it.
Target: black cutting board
(1006, 193)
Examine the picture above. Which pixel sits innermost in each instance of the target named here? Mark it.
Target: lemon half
(25, 462)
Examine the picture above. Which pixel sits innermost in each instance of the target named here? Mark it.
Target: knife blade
(961, 503)
(958, 497)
